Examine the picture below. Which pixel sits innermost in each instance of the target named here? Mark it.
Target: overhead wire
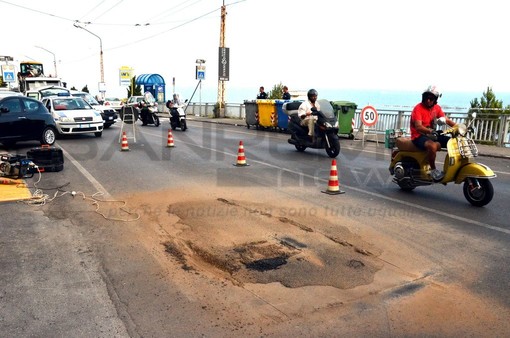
(108, 10)
(173, 10)
(131, 42)
(93, 8)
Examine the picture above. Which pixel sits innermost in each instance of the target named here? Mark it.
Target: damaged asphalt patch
(251, 243)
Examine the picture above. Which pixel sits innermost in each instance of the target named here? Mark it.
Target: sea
(451, 101)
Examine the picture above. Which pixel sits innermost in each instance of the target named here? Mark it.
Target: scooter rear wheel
(406, 186)
(300, 147)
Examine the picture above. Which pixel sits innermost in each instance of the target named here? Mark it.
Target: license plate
(110, 117)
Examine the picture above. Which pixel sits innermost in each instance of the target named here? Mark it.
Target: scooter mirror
(441, 121)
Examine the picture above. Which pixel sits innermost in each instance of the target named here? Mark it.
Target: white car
(5, 93)
(74, 116)
(113, 102)
(108, 113)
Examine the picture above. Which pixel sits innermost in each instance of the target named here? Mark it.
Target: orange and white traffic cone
(170, 141)
(333, 185)
(241, 159)
(124, 144)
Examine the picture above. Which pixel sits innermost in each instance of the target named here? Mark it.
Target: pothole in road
(253, 244)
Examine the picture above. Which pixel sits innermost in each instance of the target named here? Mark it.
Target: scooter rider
(424, 117)
(175, 103)
(305, 112)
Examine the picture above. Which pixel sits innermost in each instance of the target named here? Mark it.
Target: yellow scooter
(410, 168)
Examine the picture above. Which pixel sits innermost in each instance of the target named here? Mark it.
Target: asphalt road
(160, 241)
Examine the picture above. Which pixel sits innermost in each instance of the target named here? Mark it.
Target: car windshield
(112, 99)
(70, 103)
(87, 97)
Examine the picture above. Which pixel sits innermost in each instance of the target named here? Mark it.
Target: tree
(488, 104)
(137, 89)
(276, 92)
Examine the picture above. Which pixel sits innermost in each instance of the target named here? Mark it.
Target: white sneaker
(436, 174)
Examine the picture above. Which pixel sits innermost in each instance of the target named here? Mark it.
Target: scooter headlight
(462, 129)
(328, 125)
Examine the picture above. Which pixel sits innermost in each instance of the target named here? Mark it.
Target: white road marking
(87, 175)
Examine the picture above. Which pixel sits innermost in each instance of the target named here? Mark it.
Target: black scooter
(326, 129)
(148, 114)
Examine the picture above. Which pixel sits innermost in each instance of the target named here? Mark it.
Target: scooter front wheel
(156, 120)
(334, 149)
(478, 192)
(183, 125)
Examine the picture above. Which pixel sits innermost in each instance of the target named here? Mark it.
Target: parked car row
(24, 118)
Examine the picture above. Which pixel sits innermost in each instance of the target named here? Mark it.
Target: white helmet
(432, 90)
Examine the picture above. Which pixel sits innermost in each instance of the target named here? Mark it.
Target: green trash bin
(344, 111)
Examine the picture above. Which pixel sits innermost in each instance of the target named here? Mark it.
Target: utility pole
(221, 83)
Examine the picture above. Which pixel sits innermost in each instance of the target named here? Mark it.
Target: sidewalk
(483, 150)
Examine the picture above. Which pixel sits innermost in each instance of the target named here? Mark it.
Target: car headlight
(62, 117)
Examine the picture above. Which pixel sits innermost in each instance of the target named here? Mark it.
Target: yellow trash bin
(268, 117)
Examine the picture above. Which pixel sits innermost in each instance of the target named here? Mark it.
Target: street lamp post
(54, 59)
(101, 89)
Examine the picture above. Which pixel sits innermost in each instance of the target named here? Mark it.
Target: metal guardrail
(489, 126)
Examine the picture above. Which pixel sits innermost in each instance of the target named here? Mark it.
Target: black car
(25, 119)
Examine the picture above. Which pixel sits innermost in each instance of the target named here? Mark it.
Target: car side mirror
(4, 110)
(186, 101)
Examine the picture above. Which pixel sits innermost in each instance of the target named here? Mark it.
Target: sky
(395, 45)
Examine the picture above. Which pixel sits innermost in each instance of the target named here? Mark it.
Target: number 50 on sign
(369, 116)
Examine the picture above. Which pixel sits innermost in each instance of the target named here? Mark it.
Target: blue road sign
(8, 76)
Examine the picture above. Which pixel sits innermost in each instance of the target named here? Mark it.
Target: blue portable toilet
(153, 83)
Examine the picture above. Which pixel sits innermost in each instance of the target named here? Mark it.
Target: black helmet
(312, 92)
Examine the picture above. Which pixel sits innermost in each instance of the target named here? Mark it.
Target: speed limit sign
(369, 116)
